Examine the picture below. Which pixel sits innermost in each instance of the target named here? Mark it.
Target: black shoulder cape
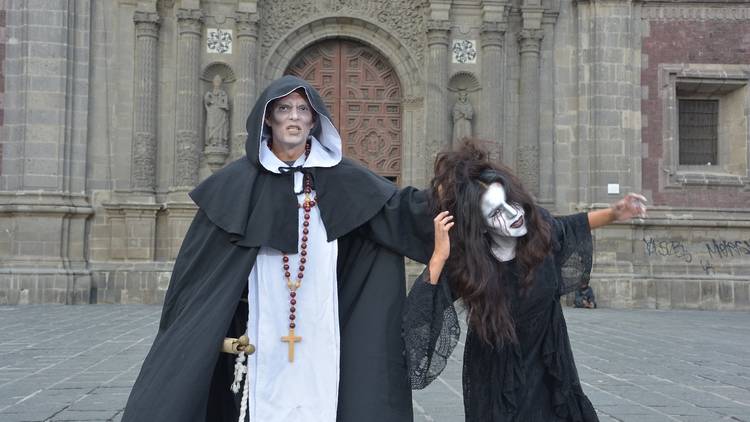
(243, 207)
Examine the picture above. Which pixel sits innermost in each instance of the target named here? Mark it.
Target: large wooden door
(362, 92)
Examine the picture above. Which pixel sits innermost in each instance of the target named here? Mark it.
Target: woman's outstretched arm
(632, 205)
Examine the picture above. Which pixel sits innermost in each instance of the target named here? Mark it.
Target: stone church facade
(111, 111)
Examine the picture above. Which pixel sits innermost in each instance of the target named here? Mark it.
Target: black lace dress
(533, 381)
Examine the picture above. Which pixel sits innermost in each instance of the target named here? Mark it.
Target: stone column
(188, 99)
(438, 116)
(247, 40)
(417, 168)
(547, 180)
(145, 105)
(44, 197)
(528, 125)
(491, 109)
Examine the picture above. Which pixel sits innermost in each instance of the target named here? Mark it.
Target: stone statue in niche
(463, 113)
(217, 114)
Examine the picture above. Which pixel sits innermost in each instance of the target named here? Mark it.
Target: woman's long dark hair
(461, 178)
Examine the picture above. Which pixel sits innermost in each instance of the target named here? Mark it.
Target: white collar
(319, 156)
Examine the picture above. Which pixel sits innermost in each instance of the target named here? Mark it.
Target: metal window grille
(699, 139)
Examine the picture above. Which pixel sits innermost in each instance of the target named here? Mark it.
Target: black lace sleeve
(573, 249)
(430, 330)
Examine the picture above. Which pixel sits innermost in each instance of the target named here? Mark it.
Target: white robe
(306, 389)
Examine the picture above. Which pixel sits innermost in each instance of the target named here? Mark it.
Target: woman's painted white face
(505, 219)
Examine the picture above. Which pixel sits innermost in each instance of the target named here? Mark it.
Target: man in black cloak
(254, 217)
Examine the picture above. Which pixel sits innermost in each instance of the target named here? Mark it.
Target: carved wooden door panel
(361, 90)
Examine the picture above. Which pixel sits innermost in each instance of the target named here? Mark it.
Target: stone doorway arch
(364, 95)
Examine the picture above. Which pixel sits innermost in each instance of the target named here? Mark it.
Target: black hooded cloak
(243, 207)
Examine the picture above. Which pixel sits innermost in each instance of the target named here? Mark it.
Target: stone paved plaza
(78, 363)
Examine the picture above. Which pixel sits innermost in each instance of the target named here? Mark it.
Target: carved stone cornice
(247, 24)
(530, 40)
(671, 11)
(550, 17)
(146, 24)
(189, 21)
(437, 32)
(494, 11)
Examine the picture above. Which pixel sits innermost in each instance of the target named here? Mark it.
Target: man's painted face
(505, 219)
(291, 119)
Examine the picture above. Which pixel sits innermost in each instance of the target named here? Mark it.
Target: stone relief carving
(528, 167)
(463, 113)
(530, 40)
(144, 170)
(464, 51)
(216, 102)
(186, 173)
(219, 41)
(189, 21)
(280, 17)
(404, 17)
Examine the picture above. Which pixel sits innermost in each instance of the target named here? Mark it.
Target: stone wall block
(678, 294)
(726, 294)
(663, 294)
(692, 294)
(709, 294)
(742, 295)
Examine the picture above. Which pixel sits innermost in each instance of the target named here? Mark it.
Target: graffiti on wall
(705, 254)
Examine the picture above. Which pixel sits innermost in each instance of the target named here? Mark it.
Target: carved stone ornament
(146, 24)
(188, 156)
(413, 102)
(464, 51)
(492, 35)
(219, 41)
(530, 40)
(189, 21)
(404, 17)
(144, 166)
(164, 5)
(247, 24)
(437, 33)
(528, 166)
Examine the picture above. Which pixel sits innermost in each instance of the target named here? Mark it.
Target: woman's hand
(632, 205)
(443, 223)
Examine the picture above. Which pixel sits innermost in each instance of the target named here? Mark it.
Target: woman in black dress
(509, 261)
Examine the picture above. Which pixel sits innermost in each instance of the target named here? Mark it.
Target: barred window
(698, 131)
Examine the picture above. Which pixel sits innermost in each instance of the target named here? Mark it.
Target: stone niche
(218, 90)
